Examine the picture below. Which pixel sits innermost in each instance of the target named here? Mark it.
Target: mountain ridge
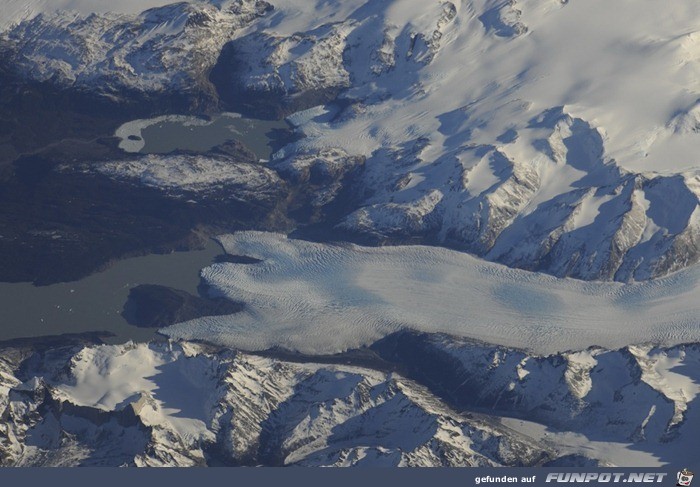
(468, 135)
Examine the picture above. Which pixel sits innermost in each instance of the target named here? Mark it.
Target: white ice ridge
(320, 298)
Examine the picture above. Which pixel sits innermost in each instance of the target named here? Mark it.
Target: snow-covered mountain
(194, 176)
(13, 12)
(187, 404)
(531, 134)
(166, 51)
(169, 404)
(639, 396)
(484, 124)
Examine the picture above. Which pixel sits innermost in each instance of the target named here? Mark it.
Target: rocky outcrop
(152, 306)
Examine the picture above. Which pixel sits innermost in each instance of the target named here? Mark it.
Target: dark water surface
(200, 136)
(95, 303)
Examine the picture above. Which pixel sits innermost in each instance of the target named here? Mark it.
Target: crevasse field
(319, 298)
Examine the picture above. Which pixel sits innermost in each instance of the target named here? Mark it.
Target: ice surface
(319, 298)
(620, 454)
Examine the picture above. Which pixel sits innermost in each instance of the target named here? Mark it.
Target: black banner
(337, 477)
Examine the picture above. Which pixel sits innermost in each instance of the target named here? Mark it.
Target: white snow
(571, 443)
(111, 377)
(191, 173)
(319, 298)
(481, 177)
(629, 68)
(670, 373)
(535, 122)
(15, 11)
(534, 119)
(589, 210)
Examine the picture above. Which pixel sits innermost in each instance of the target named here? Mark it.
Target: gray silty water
(95, 302)
(170, 135)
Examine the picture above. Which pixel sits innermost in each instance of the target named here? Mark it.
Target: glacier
(323, 298)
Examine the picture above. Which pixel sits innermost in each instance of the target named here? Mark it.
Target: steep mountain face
(642, 400)
(610, 224)
(170, 404)
(641, 396)
(544, 180)
(187, 404)
(15, 11)
(482, 124)
(165, 51)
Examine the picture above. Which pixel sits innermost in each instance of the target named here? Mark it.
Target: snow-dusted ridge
(319, 298)
(188, 174)
(13, 12)
(184, 404)
(545, 135)
(164, 51)
(178, 405)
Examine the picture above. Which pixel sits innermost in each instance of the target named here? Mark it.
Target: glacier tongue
(322, 298)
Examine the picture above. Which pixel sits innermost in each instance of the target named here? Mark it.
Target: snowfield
(544, 135)
(486, 67)
(318, 298)
(176, 405)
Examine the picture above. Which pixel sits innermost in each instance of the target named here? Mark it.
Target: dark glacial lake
(95, 303)
(175, 132)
